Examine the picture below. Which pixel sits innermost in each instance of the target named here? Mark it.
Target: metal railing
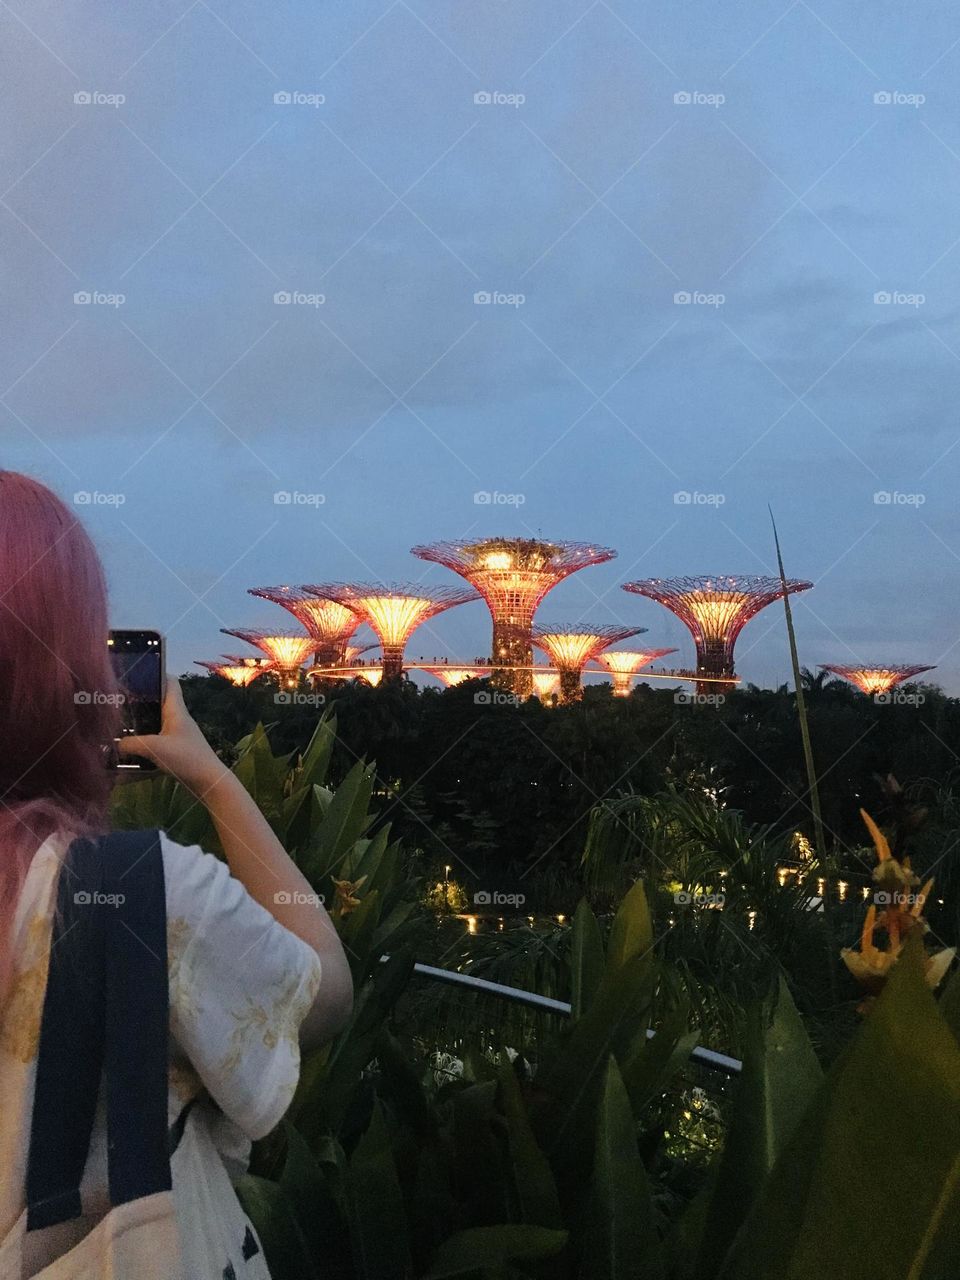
(703, 1057)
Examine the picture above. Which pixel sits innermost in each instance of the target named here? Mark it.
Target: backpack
(105, 1017)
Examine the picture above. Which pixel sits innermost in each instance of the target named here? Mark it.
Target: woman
(255, 966)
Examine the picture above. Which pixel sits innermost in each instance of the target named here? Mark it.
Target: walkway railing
(703, 1057)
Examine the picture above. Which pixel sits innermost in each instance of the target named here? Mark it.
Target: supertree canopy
(875, 680)
(545, 683)
(331, 624)
(623, 664)
(513, 575)
(343, 668)
(393, 611)
(453, 674)
(287, 650)
(715, 610)
(571, 647)
(238, 673)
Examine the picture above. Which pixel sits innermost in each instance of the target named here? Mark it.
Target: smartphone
(138, 664)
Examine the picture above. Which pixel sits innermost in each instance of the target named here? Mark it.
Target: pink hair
(57, 687)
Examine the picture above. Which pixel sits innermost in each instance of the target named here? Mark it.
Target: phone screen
(137, 658)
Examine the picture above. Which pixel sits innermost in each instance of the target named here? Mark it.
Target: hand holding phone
(179, 749)
(138, 664)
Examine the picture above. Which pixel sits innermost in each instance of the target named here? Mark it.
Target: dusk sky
(791, 169)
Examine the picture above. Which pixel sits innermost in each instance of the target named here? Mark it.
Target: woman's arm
(254, 854)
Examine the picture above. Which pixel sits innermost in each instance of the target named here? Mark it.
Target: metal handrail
(705, 1057)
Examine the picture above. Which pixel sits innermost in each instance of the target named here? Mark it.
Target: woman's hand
(179, 749)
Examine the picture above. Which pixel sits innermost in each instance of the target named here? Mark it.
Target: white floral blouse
(240, 986)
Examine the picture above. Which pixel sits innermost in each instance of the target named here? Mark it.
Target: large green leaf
(262, 774)
(316, 758)
(330, 1078)
(868, 1177)
(632, 931)
(288, 1254)
(374, 1207)
(570, 1083)
(586, 958)
(343, 823)
(652, 1062)
(949, 1003)
(780, 1078)
(620, 1239)
(534, 1188)
(483, 1249)
(312, 1200)
(481, 1166)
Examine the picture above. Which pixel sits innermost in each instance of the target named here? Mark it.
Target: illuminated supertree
(287, 650)
(392, 611)
(513, 575)
(331, 624)
(340, 670)
(623, 664)
(545, 683)
(454, 675)
(875, 680)
(240, 674)
(572, 647)
(715, 610)
(247, 660)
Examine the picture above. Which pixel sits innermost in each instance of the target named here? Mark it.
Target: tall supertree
(571, 647)
(513, 575)
(875, 680)
(715, 610)
(240, 674)
(623, 665)
(393, 611)
(287, 650)
(331, 624)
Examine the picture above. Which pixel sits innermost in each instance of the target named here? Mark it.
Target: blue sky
(815, 166)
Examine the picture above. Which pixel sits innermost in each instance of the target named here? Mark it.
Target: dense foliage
(496, 789)
(554, 1149)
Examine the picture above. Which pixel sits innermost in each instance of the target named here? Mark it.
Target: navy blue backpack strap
(105, 1013)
